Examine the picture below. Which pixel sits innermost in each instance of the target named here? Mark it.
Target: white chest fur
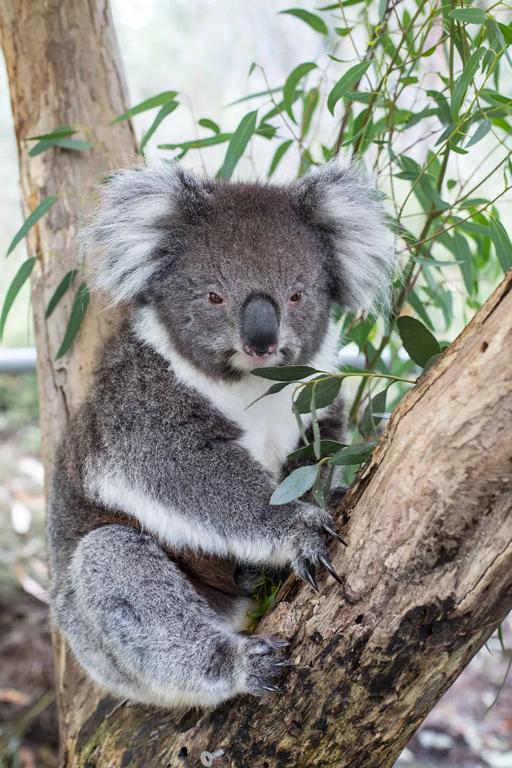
(269, 428)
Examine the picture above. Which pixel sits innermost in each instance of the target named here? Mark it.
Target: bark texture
(427, 573)
(64, 68)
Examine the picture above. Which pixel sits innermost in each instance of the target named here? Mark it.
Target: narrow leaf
(237, 144)
(295, 485)
(78, 310)
(327, 448)
(345, 83)
(210, 124)
(418, 342)
(465, 80)
(278, 156)
(291, 83)
(59, 292)
(75, 145)
(208, 141)
(143, 106)
(372, 415)
(482, 130)
(326, 392)
(311, 19)
(162, 113)
(468, 15)
(285, 373)
(353, 454)
(18, 281)
(27, 225)
(59, 133)
(502, 243)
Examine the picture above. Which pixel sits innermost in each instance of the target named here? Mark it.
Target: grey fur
(166, 438)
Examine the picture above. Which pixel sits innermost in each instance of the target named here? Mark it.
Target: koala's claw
(334, 534)
(326, 563)
(306, 572)
(262, 664)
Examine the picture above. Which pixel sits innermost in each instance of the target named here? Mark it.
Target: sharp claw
(309, 577)
(334, 534)
(278, 643)
(271, 688)
(328, 567)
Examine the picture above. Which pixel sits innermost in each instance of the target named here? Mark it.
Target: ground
(469, 728)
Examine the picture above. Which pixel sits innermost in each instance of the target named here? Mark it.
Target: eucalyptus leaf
(311, 19)
(502, 243)
(285, 373)
(17, 283)
(468, 15)
(353, 454)
(59, 292)
(34, 217)
(143, 106)
(465, 80)
(73, 145)
(345, 83)
(295, 485)
(418, 342)
(326, 391)
(237, 144)
(278, 156)
(291, 83)
(162, 113)
(78, 310)
(327, 448)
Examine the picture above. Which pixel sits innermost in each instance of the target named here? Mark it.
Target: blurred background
(204, 50)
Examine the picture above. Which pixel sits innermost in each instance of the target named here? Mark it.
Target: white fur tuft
(127, 233)
(343, 201)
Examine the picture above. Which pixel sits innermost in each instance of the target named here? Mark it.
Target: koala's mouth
(242, 360)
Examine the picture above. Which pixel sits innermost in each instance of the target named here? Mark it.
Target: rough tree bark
(64, 68)
(427, 574)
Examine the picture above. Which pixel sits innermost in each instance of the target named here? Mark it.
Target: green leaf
(353, 454)
(285, 373)
(162, 113)
(416, 303)
(59, 292)
(502, 244)
(143, 106)
(482, 130)
(237, 144)
(291, 83)
(78, 310)
(345, 83)
(27, 225)
(295, 485)
(468, 15)
(327, 448)
(311, 102)
(273, 390)
(211, 125)
(464, 81)
(418, 342)
(208, 141)
(59, 133)
(326, 392)
(75, 145)
(311, 19)
(370, 420)
(278, 156)
(18, 281)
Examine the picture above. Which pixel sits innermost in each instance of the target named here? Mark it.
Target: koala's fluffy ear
(138, 226)
(341, 202)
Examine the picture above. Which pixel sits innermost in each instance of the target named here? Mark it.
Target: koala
(159, 514)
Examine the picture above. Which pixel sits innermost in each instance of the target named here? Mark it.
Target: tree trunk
(64, 68)
(428, 570)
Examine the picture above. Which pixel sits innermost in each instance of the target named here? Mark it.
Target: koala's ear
(342, 203)
(138, 226)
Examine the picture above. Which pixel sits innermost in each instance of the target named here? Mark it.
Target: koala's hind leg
(142, 631)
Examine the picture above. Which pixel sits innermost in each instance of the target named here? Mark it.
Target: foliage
(416, 89)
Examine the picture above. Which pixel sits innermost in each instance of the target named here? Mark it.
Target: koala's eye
(297, 296)
(214, 298)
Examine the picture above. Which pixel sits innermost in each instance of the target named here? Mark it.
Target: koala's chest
(269, 428)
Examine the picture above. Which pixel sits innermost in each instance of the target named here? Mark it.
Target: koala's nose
(259, 325)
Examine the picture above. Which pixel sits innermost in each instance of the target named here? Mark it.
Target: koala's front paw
(309, 544)
(262, 661)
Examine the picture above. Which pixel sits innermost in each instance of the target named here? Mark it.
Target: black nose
(259, 325)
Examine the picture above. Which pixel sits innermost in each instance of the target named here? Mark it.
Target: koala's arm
(213, 498)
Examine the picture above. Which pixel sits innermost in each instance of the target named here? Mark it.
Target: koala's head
(242, 275)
